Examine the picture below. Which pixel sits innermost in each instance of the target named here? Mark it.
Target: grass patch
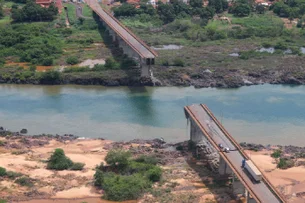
(276, 153)
(5, 20)
(87, 12)
(25, 181)
(71, 9)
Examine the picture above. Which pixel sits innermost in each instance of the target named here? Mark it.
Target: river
(267, 114)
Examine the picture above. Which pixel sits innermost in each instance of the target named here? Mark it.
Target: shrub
(76, 69)
(98, 178)
(13, 175)
(110, 63)
(24, 181)
(126, 179)
(154, 174)
(165, 62)
(178, 62)
(2, 171)
(276, 154)
(72, 60)
(267, 44)
(118, 158)
(119, 188)
(138, 167)
(32, 68)
(191, 145)
(241, 10)
(284, 163)
(77, 166)
(179, 148)
(48, 61)
(148, 159)
(280, 45)
(59, 161)
(98, 67)
(50, 77)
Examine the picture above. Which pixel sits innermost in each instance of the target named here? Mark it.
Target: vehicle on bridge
(252, 170)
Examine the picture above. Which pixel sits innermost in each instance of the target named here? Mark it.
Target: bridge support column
(249, 199)
(196, 134)
(224, 169)
(238, 189)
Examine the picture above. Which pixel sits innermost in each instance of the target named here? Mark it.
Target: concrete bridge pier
(144, 63)
(224, 169)
(249, 198)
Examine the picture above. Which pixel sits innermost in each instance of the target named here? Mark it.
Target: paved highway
(260, 190)
(136, 44)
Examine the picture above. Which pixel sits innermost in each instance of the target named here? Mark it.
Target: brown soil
(290, 182)
(185, 179)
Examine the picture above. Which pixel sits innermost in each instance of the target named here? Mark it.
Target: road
(143, 50)
(260, 190)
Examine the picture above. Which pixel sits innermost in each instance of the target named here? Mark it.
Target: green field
(5, 20)
(87, 12)
(71, 12)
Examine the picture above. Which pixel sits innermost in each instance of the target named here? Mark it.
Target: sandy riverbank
(185, 179)
(290, 182)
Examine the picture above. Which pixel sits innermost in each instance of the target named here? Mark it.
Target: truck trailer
(252, 170)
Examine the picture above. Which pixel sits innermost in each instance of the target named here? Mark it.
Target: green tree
(147, 9)
(59, 161)
(32, 12)
(72, 60)
(125, 10)
(118, 158)
(2, 171)
(219, 5)
(196, 3)
(241, 10)
(181, 9)
(1, 11)
(260, 9)
(166, 12)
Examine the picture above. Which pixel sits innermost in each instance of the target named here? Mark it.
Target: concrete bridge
(206, 130)
(132, 46)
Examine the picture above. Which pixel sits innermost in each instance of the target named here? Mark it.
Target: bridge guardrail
(222, 154)
(266, 180)
(125, 28)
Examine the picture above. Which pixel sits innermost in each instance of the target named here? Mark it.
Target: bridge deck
(134, 42)
(260, 191)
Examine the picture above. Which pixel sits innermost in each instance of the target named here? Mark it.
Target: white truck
(252, 170)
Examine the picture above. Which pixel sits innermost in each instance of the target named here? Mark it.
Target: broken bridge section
(208, 134)
(132, 46)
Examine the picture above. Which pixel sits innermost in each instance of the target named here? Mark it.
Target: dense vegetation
(125, 178)
(165, 13)
(59, 161)
(289, 9)
(33, 43)
(32, 12)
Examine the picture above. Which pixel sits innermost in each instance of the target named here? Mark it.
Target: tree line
(32, 12)
(177, 9)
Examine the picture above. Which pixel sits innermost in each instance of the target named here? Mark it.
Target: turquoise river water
(264, 114)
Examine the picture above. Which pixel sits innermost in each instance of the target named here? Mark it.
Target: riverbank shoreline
(164, 77)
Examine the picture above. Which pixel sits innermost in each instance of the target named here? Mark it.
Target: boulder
(24, 131)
